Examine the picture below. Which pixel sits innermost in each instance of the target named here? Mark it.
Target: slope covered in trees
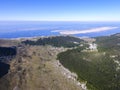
(109, 42)
(58, 41)
(101, 69)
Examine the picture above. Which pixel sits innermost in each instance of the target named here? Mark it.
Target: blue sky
(60, 10)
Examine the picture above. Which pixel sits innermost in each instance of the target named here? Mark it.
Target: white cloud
(99, 29)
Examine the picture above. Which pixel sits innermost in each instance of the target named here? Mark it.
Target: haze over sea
(18, 29)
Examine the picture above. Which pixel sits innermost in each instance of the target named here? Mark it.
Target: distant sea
(18, 29)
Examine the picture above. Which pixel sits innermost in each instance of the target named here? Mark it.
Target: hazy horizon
(79, 29)
(21, 18)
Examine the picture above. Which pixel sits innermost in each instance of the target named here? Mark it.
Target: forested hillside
(109, 42)
(100, 69)
(58, 41)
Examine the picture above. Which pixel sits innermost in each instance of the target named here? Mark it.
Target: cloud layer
(100, 29)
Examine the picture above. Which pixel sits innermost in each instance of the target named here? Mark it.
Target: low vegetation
(36, 68)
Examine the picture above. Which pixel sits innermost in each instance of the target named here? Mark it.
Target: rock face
(6, 55)
(4, 69)
(36, 68)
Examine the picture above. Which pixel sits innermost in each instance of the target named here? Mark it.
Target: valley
(62, 63)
